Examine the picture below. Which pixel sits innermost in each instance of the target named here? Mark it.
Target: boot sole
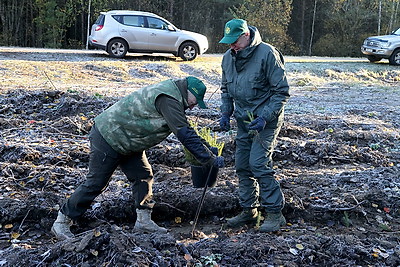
(251, 223)
(149, 232)
(142, 230)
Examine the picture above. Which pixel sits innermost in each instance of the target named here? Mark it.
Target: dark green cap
(233, 29)
(198, 89)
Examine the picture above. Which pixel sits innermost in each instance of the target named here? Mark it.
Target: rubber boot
(61, 227)
(144, 222)
(272, 222)
(247, 216)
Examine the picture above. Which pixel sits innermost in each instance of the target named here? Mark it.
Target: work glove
(219, 162)
(214, 150)
(225, 122)
(257, 124)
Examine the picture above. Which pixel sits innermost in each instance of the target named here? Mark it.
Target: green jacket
(133, 124)
(254, 80)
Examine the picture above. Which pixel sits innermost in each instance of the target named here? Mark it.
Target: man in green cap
(120, 136)
(255, 90)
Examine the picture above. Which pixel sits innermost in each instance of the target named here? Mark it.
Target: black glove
(225, 122)
(214, 150)
(219, 162)
(257, 124)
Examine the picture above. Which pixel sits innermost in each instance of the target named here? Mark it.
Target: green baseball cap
(233, 29)
(198, 89)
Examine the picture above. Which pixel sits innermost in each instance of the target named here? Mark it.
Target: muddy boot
(272, 222)
(247, 216)
(144, 222)
(61, 227)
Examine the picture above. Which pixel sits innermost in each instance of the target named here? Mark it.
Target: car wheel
(395, 57)
(117, 48)
(373, 58)
(188, 51)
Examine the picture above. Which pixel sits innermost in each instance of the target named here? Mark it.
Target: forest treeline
(296, 27)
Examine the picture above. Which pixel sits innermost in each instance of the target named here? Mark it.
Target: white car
(121, 31)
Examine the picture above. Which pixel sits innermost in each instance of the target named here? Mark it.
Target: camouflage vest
(133, 124)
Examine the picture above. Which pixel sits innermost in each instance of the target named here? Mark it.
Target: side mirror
(170, 28)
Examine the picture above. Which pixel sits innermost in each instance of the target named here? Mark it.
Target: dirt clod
(337, 159)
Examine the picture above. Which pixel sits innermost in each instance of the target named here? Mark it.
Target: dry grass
(95, 72)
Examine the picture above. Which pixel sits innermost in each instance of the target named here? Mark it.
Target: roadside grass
(352, 74)
(113, 77)
(107, 77)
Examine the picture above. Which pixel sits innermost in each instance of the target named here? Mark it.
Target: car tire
(373, 59)
(395, 57)
(188, 51)
(117, 48)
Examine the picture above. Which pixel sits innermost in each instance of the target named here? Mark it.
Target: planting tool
(201, 203)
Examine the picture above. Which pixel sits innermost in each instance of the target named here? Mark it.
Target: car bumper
(374, 51)
(203, 49)
(96, 45)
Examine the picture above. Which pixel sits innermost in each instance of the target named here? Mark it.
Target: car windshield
(396, 32)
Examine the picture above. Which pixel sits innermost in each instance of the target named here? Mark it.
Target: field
(337, 159)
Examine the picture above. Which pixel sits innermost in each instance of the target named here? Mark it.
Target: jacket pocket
(257, 86)
(230, 86)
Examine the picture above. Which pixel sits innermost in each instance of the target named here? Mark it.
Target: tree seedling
(251, 118)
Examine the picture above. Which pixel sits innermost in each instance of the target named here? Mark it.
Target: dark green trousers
(103, 162)
(257, 184)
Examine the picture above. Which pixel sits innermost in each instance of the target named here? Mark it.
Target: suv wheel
(188, 51)
(395, 57)
(117, 48)
(373, 58)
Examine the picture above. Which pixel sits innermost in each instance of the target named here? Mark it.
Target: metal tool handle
(201, 202)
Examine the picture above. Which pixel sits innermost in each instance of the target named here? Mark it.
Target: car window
(100, 20)
(155, 23)
(137, 21)
(118, 18)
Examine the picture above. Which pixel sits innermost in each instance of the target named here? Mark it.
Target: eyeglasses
(237, 40)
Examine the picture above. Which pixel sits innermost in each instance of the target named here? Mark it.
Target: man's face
(192, 101)
(241, 43)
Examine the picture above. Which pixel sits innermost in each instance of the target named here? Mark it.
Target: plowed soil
(337, 159)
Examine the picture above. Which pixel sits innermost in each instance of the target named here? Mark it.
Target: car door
(160, 38)
(132, 29)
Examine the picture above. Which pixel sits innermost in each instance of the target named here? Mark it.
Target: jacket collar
(182, 85)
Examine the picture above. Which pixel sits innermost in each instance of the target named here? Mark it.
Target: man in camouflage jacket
(120, 136)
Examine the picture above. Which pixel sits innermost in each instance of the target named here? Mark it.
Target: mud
(337, 160)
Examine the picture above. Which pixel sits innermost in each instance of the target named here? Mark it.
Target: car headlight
(385, 44)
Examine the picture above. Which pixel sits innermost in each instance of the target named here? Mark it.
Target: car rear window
(100, 20)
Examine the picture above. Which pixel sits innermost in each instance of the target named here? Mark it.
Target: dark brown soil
(337, 160)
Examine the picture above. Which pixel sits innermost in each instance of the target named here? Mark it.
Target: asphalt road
(17, 52)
